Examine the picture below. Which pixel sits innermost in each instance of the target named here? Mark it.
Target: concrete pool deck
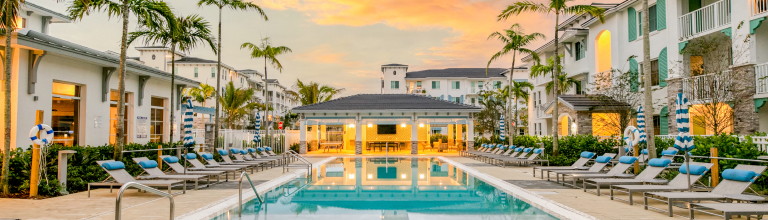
(137, 205)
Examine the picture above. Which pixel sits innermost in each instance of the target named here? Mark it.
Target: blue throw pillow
(148, 164)
(260, 149)
(526, 150)
(191, 156)
(695, 169)
(268, 148)
(171, 159)
(668, 152)
(659, 162)
(251, 150)
(234, 150)
(223, 152)
(113, 165)
(603, 159)
(243, 152)
(740, 175)
(207, 156)
(518, 149)
(537, 151)
(644, 151)
(587, 154)
(627, 159)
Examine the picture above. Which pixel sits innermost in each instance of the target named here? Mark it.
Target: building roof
(51, 44)
(456, 72)
(194, 60)
(394, 64)
(591, 102)
(379, 102)
(56, 17)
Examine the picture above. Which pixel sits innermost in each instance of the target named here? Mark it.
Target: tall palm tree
(269, 53)
(202, 93)
(647, 78)
(150, 13)
(557, 7)
(514, 41)
(518, 90)
(8, 14)
(235, 5)
(237, 103)
(312, 92)
(564, 82)
(183, 34)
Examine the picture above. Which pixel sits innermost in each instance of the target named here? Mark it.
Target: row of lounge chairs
(671, 192)
(503, 155)
(234, 161)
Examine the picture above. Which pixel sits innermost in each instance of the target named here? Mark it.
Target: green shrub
(570, 147)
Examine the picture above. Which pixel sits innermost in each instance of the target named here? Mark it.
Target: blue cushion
(627, 159)
(207, 156)
(251, 150)
(234, 150)
(171, 159)
(526, 150)
(740, 175)
(243, 152)
(191, 156)
(114, 165)
(268, 148)
(603, 159)
(148, 164)
(668, 152)
(518, 149)
(659, 162)
(223, 152)
(644, 151)
(537, 151)
(587, 154)
(260, 149)
(695, 169)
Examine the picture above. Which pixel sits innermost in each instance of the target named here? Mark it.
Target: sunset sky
(341, 42)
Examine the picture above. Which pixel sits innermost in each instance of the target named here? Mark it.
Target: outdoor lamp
(370, 125)
(402, 125)
(421, 125)
(351, 125)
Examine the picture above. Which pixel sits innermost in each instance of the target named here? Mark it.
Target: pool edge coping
(221, 206)
(550, 206)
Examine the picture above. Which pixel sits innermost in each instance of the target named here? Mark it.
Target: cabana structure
(385, 123)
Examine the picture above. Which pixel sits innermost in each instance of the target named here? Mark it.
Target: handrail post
(240, 193)
(145, 188)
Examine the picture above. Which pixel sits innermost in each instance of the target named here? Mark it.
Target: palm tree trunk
(266, 96)
(173, 92)
(120, 130)
(555, 135)
(218, 88)
(7, 112)
(513, 131)
(648, 99)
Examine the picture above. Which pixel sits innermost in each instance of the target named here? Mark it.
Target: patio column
(414, 137)
(303, 136)
(358, 137)
(470, 134)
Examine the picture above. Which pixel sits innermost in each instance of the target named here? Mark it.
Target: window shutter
(461, 100)
(632, 23)
(663, 68)
(661, 14)
(664, 121)
(634, 83)
(450, 98)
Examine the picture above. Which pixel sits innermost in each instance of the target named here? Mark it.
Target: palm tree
(565, 84)
(311, 93)
(647, 78)
(150, 13)
(269, 53)
(202, 93)
(514, 41)
(237, 103)
(557, 7)
(9, 13)
(236, 5)
(518, 90)
(183, 34)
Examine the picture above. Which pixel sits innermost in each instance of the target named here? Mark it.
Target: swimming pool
(387, 188)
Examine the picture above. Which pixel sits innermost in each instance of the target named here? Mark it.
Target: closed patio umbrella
(256, 136)
(684, 140)
(502, 128)
(641, 124)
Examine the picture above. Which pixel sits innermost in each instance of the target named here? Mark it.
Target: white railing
(759, 7)
(541, 110)
(761, 78)
(761, 143)
(707, 18)
(709, 87)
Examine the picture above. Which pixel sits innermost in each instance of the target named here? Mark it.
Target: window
(156, 122)
(579, 88)
(656, 125)
(456, 85)
(394, 72)
(418, 84)
(652, 23)
(480, 85)
(113, 96)
(435, 84)
(196, 72)
(472, 100)
(66, 113)
(457, 99)
(654, 72)
(497, 85)
(580, 51)
(394, 84)
(213, 72)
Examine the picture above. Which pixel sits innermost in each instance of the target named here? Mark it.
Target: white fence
(280, 139)
(759, 6)
(708, 18)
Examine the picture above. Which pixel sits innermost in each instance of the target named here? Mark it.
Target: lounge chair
(225, 156)
(734, 182)
(730, 209)
(617, 170)
(150, 167)
(173, 163)
(253, 155)
(117, 173)
(240, 155)
(654, 168)
(270, 152)
(197, 165)
(534, 157)
(511, 152)
(679, 183)
(579, 164)
(600, 163)
(491, 151)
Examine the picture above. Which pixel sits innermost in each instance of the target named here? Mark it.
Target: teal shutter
(664, 121)
(634, 83)
(661, 14)
(632, 23)
(663, 68)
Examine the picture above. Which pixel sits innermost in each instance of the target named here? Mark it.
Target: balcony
(713, 87)
(759, 7)
(761, 78)
(705, 20)
(541, 110)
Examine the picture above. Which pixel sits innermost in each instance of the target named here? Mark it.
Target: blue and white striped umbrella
(684, 140)
(502, 128)
(189, 117)
(257, 137)
(641, 124)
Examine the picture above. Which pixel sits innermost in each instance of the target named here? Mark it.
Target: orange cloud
(324, 54)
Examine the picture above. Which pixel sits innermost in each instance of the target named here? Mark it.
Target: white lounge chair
(678, 183)
(118, 176)
(654, 168)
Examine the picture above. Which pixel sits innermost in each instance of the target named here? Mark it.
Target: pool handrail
(240, 192)
(142, 187)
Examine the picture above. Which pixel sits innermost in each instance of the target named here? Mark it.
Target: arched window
(603, 51)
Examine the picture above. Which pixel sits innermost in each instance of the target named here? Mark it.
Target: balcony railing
(759, 7)
(709, 18)
(714, 87)
(761, 78)
(541, 110)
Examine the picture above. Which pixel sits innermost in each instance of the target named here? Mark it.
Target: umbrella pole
(688, 169)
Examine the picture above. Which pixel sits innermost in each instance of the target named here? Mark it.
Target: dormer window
(153, 57)
(394, 72)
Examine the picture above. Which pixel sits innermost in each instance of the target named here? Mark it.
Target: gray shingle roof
(194, 60)
(394, 64)
(456, 72)
(386, 102)
(590, 102)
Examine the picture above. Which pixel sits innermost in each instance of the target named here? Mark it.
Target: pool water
(387, 188)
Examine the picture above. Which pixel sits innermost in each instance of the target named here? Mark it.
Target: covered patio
(385, 124)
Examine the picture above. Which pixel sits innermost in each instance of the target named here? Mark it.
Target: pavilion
(385, 123)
